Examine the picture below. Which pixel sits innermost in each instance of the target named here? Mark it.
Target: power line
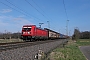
(13, 8)
(65, 10)
(40, 8)
(44, 13)
(21, 9)
(18, 9)
(35, 8)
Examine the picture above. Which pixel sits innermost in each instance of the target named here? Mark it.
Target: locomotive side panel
(41, 34)
(31, 32)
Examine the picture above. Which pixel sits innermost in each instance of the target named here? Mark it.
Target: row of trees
(77, 35)
(81, 35)
(10, 35)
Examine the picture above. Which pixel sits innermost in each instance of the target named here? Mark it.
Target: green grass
(70, 52)
(83, 42)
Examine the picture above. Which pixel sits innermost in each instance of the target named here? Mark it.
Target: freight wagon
(52, 34)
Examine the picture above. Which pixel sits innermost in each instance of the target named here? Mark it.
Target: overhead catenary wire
(40, 8)
(13, 8)
(36, 9)
(38, 5)
(22, 10)
(65, 9)
(49, 19)
(18, 9)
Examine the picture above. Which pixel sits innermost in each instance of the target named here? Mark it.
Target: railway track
(8, 46)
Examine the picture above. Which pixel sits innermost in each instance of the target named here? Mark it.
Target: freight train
(33, 33)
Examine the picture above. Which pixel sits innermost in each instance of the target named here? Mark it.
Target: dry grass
(69, 52)
(10, 40)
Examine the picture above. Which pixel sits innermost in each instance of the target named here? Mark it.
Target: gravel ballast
(28, 53)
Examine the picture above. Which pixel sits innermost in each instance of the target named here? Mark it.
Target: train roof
(51, 30)
(33, 25)
(29, 25)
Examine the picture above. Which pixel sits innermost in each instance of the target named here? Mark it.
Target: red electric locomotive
(31, 33)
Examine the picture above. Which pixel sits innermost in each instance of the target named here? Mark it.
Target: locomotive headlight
(28, 32)
(23, 32)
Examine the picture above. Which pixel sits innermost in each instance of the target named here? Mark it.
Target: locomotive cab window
(27, 28)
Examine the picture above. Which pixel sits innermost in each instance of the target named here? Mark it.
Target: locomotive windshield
(27, 28)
